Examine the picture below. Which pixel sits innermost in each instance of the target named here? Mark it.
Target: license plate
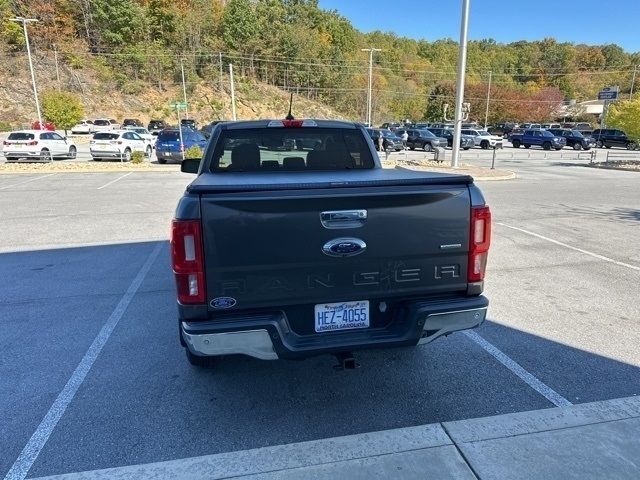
(167, 154)
(102, 147)
(330, 317)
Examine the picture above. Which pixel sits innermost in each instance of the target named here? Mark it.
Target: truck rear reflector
(479, 242)
(187, 260)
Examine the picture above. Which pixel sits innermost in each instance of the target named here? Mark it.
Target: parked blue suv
(168, 143)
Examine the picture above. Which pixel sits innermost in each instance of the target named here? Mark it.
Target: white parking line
(540, 387)
(27, 181)
(114, 181)
(586, 252)
(39, 438)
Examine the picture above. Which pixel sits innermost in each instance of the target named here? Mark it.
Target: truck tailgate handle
(343, 218)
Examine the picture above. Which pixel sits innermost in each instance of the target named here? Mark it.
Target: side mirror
(190, 165)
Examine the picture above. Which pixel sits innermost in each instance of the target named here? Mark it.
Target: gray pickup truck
(293, 241)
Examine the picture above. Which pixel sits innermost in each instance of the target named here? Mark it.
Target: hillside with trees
(133, 50)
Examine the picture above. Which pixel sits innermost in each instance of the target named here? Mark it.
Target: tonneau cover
(261, 181)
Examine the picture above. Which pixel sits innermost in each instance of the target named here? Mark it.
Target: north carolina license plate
(331, 317)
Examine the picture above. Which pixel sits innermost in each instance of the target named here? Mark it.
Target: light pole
(633, 82)
(184, 90)
(462, 67)
(370, 50)
(24, 22)
(486, 112)
(233, 93)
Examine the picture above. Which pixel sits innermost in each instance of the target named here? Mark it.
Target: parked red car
(45, 126)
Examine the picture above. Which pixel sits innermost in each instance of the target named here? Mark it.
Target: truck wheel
(631, 146)
(484, 145)
(127, 154)
(73, 152)
(149, 151)
(546, 146)
(45, 156)
(516, 144)
(198, 361)
(527, 146)
(427, 147)
(577, 146)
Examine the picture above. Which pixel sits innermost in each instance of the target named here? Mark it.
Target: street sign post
(609, 93)
(177, 106)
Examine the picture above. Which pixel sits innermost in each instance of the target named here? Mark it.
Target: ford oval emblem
(344, 247)
(223, 302)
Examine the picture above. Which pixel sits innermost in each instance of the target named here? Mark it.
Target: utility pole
(633, 81)
(486, 113)
(220, 59)
(184, 90)
(462, 68)
(233, 93)
(370, 50)
(24, 22)
(55, 55)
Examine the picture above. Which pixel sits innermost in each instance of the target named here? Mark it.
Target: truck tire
(149, 151)
(45, 155)
(73, 153)
(516, 143)
(198, 361)
(127, 154)
(577, 146)
(546, 145)
(427, 147)
(484, 145)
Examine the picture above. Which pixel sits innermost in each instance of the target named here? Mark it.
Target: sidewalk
(598, 440)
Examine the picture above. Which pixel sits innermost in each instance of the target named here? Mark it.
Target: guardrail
(617, 157)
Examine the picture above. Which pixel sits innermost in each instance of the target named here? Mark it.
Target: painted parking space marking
(27, 181)
(39, 438)
(114, 181)
(527, 377)
(571, 247)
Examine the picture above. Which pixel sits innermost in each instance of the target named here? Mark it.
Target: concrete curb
(458, 449)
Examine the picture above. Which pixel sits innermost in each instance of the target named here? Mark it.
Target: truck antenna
(289, 116)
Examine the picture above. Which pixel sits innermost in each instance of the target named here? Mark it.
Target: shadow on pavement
(142, 402)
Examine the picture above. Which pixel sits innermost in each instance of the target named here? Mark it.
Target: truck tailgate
(263, 242)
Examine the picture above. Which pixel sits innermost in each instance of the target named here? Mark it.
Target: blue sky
(579, 21)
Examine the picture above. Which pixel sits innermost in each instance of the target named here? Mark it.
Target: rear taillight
(6, 143)
(188, 261)
(479, 242)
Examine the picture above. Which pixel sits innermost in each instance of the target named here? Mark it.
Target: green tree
(62, 108)
(440, 94)
(239, 24)
(625, 115)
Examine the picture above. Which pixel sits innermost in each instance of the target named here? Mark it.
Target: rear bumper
(173, 156)
(268, 336)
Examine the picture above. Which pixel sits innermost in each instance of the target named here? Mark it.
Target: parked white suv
(144, 133)
(41, 144)
(483, 139)
(102, 125)
(85, 126)
(119, 144)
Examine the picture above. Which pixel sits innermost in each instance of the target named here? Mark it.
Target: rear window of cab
(293, 149)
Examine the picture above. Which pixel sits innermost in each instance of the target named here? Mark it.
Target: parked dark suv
(390, 141)
(423, 139)
(156, 126)
(609, 137)
(466, 141)
(574, 138)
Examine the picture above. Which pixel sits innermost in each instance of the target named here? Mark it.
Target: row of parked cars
(429, 136)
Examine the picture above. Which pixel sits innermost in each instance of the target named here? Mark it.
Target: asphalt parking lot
(92, 374)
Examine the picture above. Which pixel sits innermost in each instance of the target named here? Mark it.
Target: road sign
(609, 93)
(177, 105)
